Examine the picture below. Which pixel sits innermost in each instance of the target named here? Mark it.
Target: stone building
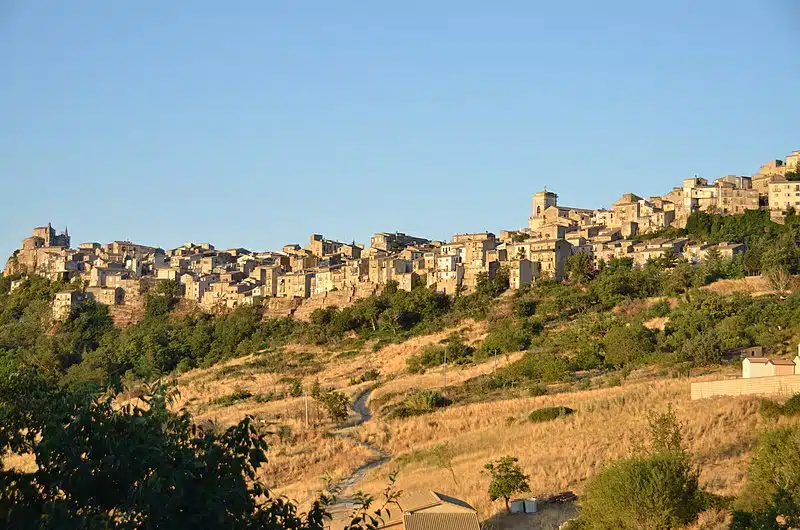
(522, 272)
(65, 302)
(49, 237)
(295, 285)
(396, 242)
(783, 195)
(321, 247)
(551, 254)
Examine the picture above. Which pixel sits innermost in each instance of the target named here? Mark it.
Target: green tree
(626, 344)
(507, 479)
(579, 267)
(103, 466)
(656, 489)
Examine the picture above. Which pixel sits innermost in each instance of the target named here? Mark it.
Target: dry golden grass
(562, 454)
(432, 378)
(558, 456)
(752, 285)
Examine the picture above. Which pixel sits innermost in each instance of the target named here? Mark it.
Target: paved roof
(441, 521)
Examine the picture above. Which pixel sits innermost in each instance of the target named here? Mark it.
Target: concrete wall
(782, 385)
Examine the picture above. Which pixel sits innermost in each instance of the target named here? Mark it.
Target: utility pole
(444, 370)
(305, 396)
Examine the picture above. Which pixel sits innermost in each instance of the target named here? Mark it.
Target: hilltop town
(324, 272)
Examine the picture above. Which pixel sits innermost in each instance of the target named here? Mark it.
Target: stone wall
(281, 307)
(341, 298)
(781, 385)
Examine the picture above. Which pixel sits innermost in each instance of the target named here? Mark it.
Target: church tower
(542, 200)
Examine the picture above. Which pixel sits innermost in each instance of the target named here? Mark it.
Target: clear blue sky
(255, 123)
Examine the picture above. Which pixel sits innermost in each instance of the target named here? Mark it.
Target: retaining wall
(781, 385)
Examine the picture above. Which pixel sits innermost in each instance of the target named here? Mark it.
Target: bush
(184, 365)
(627, 344)
(238, 394)
(268, 396)
(549, 414)
(771, 409)
(541, 367)
(774, 470)
(284, 433)
(657, 491)
(335, 403)
(455, 350)
(421, 402)
(792, 406)
(537, 390)
(504, 336)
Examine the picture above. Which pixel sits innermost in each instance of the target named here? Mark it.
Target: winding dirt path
(380, 457)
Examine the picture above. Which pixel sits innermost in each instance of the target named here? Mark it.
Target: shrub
(335, 403)
(268, 396)
(769, 409)
(295, 387)
(421, 402)
(549, 414)
(542, 367)
(774, 469)
(537, 390)
(506, 335)
(430, 355)
(184, 365)
(284, 433)
(792, 406)
(627, 344)
(657, 491)
(525, 308)
(238, 394)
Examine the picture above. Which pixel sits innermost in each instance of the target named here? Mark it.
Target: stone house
(295, 284)
(105, 295)
(551, 254)
(396, 242)
(321, 247)
(656, 248)
(783, 195)
(195, 287)
(65, 302)
(522, 272)
(331, 279)
(383, 270)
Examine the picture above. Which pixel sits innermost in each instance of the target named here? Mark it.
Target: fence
(780, 384)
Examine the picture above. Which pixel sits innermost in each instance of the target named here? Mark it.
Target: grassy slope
(558, 456)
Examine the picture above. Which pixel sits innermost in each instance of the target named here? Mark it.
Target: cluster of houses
(118, 272)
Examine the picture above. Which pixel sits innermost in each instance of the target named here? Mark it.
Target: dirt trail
(363, 415)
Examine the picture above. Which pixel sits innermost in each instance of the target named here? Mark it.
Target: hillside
(559, 455)
(612, 346)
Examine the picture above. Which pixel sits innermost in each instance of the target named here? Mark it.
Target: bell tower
(542, 200)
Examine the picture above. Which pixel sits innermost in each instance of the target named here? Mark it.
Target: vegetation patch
(549, 414)
(773, 409)
(239, 394)
(417, 403)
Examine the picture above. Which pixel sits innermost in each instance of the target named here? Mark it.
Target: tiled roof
(441, 521)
